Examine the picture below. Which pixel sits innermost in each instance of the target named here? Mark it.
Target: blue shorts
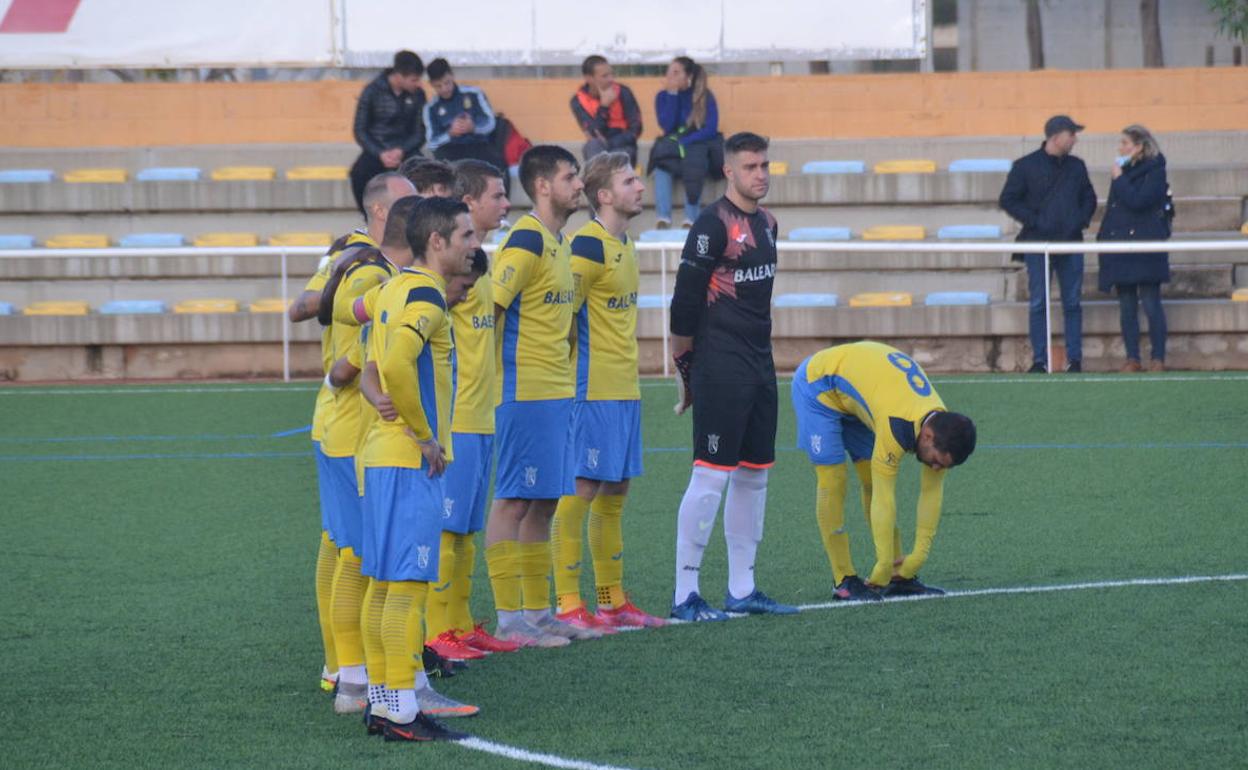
(402, 529)
(534, 440)
(322, 487)
(468, 483)
(606, 440)
(339, 488)
(826, 434)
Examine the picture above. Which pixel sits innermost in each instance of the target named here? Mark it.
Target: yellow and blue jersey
(473, 324)
(606, 279)
(886, 390)
(325, 398)
(343, 420)
(533, 283)
(412, 346)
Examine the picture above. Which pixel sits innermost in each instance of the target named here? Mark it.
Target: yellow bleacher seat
(56, 308)
(227, 239)
(882, 299)
(77, 241)
(317, 172)
(894, 233)
(1239, 295)
(244, 174)
(269, 305)
(206, 306)
(301, 239)
(905, 167)
(779, 168)
(92, 175)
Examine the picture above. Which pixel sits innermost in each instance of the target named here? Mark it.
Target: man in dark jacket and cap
(1049, 193)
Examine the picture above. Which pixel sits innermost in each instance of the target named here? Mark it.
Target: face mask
(1122, 160)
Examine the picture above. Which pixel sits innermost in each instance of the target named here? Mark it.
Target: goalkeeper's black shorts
(734, 424)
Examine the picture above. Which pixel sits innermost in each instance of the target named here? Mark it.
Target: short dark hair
(472, 177)
(745, 142)
(396, 222)
(407, 63)
(591, 63)
(542, 161)
(953, 433)
(432, 215)
(438, 69)
(426, 172)
(480, 263)
(377, 188)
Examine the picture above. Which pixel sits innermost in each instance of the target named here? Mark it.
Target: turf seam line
(524, 755)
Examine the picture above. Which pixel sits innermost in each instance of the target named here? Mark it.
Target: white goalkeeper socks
(743, 526)
(695, 521)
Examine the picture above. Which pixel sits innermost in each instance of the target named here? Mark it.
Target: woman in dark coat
(1137, 211)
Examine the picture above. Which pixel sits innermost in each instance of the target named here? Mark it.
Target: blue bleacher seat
(132, 306)
(16, 241)
(169, 174)
(957, 298)
(963, 232)
(834, 167)
(805, 300)
(820, 234)
(152, 240)
(19, 175)
(663, 236)
(6, 308)
(980, 165)
(645, 301)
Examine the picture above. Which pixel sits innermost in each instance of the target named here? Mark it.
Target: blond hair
(1142, 136)
(598, 172)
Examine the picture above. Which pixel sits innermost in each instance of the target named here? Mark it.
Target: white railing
(665, 250)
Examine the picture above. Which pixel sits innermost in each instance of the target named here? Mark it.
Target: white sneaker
(662, 224)
(435, 704)
(350, 698)
(526, 634)
(553, 625)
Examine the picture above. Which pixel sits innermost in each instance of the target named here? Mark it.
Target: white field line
(564, 763)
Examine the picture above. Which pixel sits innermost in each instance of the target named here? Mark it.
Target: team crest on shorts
(712, 443)
(448, 506)
(704, 245)
(592, 458)
(530, 475)
(422, 556)
(816, 443)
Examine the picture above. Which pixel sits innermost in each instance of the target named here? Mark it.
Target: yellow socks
(459, 613)
(863, 469)
(370, 630)
(437, 620)
(501, 561)
(606, 547)
(830, 513)
(534, 563)
(566, 549)
(326, 563)
(348, 598)
(402, 632)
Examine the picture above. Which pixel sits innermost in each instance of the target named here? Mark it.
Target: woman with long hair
(1138, 209)
(691, 146)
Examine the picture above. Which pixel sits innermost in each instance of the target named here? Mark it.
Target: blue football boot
(694, 609)
(757, 603)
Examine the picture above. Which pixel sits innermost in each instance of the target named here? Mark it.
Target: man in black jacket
(1049, 193)
(388, 125)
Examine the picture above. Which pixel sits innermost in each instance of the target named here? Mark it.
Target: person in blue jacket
(1138, 210)
(459, 121)
(1049, 193)
(691, 146)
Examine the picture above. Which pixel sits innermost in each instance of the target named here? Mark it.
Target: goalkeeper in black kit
(721, 343)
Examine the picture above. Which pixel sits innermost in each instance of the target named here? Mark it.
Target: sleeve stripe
(528, 240)
(427, 294)
(588, 247)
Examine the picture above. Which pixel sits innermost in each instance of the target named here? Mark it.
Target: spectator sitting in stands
(606, 111)
(432, 178)
(388, 124)
(691, 145)
(459, 120)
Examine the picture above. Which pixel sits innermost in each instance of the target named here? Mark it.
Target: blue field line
(143, 438)
(155, 456)
(292, 432)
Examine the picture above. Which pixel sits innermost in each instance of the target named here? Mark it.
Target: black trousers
(479, 150)
(365, 168)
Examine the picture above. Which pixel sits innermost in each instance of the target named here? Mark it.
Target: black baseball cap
(1059, 123)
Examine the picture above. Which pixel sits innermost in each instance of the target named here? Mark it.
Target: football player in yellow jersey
(412, 346)
(380, 193)
(875, 404)
(451, 630)
(606, 415)
(533, 292)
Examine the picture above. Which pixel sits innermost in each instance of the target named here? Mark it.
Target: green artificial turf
(159, 609)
